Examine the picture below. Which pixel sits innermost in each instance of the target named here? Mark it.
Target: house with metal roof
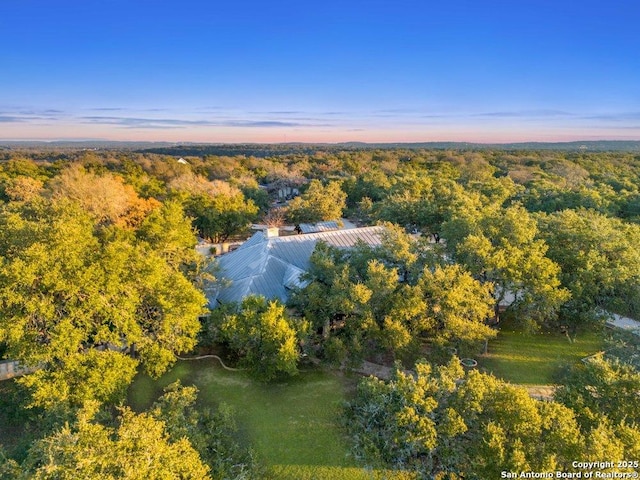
(270, 265)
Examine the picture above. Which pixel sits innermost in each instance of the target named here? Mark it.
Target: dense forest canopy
(99, 278)
(505, 216)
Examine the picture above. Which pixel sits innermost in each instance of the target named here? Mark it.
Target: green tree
(219, 210)
(331, 300)
(169, 232)
(602, 266)
(318, 202)
(373, 185)
(501, 246)
(9, 468)
(262, 334)
(424, 202)
(442, 421)
(222, 216)
(601, 387)
(23, 188)
(21, 178)
(363, 298)
(67, 290)
(214, 434)
(138, 446)
(100, 375)
(603, 394)
(457, 306)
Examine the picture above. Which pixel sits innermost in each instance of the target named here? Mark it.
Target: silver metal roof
(270, 266)
(319, 227)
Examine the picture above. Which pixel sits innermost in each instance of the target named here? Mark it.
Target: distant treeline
(266, 150)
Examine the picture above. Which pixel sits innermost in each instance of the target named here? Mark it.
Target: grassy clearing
(291, 425)
(301, 472)
(534, 359)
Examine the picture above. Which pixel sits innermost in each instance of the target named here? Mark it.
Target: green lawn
(297, 472)
(534, 359)
(292, 425)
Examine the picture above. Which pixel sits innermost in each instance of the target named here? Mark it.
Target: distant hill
(266, 150)
(81, 144)
(589, 146)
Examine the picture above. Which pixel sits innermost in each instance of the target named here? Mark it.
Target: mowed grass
(292, 425)
(297, 472)
(535, 359)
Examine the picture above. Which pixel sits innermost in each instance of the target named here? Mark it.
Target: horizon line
(347, 142)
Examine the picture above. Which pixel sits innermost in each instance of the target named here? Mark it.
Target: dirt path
(540, 392)
(380, 371)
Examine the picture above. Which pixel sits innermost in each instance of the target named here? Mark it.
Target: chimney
(271, 232)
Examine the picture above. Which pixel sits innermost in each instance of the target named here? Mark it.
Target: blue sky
(274, 71)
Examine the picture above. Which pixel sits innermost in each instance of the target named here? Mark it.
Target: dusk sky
(325, 71)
